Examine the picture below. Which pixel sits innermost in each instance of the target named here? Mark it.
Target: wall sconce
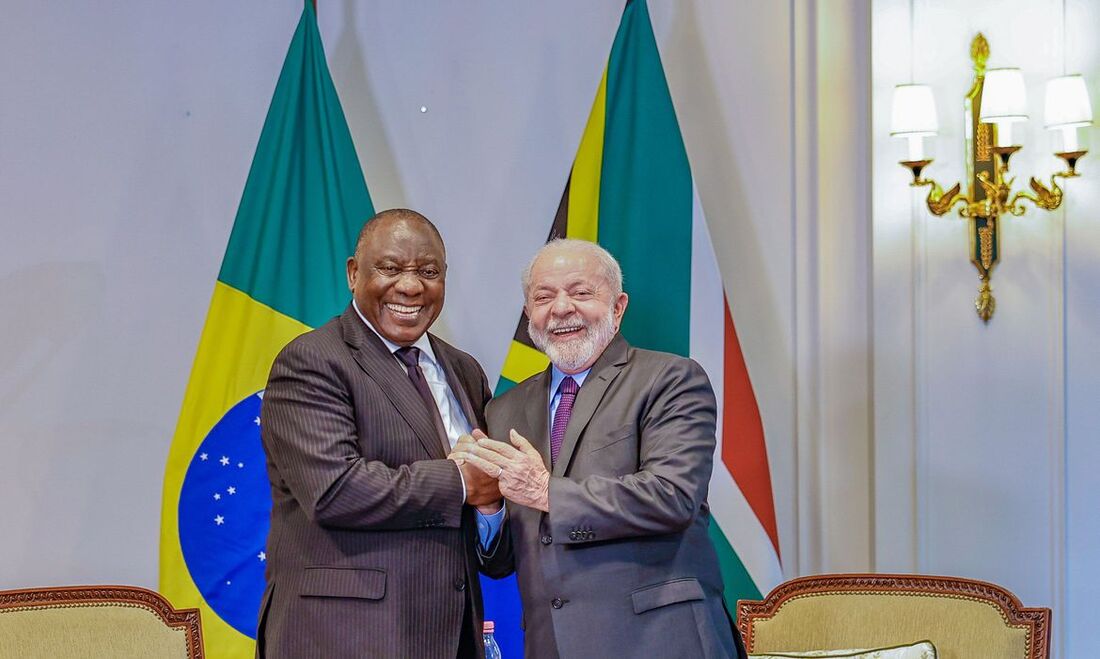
(995, 101)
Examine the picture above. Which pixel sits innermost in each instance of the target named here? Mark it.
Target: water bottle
(492, 650)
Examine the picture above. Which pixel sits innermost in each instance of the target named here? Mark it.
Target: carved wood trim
(1034, 621)
(73, 596)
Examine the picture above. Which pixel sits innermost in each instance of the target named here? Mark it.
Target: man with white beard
(606, 471)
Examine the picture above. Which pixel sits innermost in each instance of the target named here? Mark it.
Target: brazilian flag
(283, 274)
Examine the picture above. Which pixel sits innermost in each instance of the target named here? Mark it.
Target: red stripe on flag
(743, 449)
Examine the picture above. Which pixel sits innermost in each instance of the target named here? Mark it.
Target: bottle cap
(487, 627)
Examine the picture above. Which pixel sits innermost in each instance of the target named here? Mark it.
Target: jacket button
(546, 539)
(556, 603)
(460, 584)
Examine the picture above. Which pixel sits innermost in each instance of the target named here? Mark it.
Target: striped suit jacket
(371, 551)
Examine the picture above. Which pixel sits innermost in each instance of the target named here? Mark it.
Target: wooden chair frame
(1035, 621)
(74, 596)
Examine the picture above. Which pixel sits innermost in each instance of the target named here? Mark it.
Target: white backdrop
(127, 130)
(127, 133)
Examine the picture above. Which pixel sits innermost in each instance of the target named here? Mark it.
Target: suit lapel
(381, 366)
(604, 372)
(538, 419)
(457, 385)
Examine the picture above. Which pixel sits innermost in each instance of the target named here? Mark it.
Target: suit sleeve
(310, 436)
(676, 450)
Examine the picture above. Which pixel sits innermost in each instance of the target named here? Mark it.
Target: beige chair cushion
(96, 621)
(960, 628)
(89, 630)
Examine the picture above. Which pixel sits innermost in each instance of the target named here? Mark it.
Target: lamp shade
(1004, 98)
(1067, 103)
(914, 111)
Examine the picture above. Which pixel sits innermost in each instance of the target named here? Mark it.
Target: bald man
(372, 544)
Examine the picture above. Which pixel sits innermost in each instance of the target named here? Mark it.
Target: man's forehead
(566, 268)
(401, 228)
(400, 237)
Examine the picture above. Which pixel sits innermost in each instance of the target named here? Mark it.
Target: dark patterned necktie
(568, 389)
(410, 357)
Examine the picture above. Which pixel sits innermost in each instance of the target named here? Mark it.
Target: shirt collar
(556, 376)
(423, 343)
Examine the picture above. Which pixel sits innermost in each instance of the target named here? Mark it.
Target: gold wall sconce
(995, 101)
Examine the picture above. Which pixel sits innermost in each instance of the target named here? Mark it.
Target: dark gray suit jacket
(622, 565)
(371, 551)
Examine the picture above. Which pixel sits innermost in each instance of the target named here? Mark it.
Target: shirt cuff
(462, 479)
(489, 525)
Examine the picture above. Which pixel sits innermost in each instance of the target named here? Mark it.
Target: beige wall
(983, 433)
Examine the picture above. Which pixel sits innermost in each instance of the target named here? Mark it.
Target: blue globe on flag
(225, 514)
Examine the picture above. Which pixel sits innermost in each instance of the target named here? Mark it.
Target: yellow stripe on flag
(239, 342)
(522, 362)
(584, 182)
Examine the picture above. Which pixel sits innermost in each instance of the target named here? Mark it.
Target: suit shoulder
(324, 339)
(519, 392)
(657, 360)
(667, 367)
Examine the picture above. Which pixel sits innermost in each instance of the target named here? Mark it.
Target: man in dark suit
(607, 504)
(371, 551)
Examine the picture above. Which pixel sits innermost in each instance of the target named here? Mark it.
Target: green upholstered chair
(95, 621)
(963, 618)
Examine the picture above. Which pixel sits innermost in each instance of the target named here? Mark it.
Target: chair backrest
(96, 621)
(963, 618)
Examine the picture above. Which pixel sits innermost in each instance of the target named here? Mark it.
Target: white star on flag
(257, 422)
(203, 456)
(217, 496)
(219, 520)
(240, 465)
(231, 490)
(224, 461)
(262, 555)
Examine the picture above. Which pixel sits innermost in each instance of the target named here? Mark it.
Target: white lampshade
(1004, 98)
(1067, 103)
(914, 111)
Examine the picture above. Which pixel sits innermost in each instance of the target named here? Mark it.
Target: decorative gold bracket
(989, 194)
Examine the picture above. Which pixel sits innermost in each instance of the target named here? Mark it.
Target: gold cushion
(960, 628)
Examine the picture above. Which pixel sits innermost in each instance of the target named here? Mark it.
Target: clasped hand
(482, 491)
(518, 468)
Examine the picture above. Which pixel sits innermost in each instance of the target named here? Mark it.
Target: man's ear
(353, 272)
(620, 308)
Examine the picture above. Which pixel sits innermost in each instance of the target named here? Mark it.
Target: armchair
(963, 618)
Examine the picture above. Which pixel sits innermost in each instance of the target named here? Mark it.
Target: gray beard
(575, 354)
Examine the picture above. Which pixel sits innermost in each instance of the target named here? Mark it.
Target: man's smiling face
(572, 309)
(397, 278)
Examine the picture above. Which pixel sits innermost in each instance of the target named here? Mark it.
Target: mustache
(571, 321)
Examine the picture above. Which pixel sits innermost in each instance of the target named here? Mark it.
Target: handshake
(492, 469)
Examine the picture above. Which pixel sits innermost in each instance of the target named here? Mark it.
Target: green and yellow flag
(283, 274)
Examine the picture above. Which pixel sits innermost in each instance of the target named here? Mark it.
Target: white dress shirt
(454, 420)
(450, 411)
